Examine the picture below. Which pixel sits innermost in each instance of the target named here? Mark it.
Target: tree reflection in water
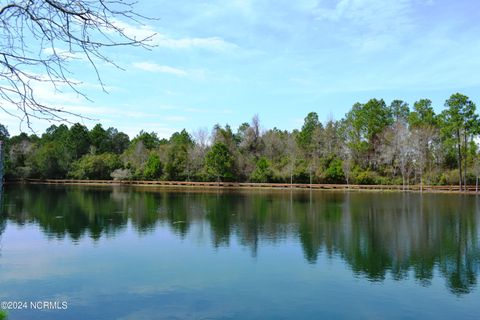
(376, 234)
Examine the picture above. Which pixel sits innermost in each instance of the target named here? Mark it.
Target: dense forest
(374, 143)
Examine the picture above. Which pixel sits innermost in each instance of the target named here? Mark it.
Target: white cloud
(153, 67)
(127, 120)
(175, 118)
(209, 111)
(371, 13)
(170, 92)
(163, 40)
(370, 25)
(195, 74)
(209, 43)
(49, 94)
(138, 32)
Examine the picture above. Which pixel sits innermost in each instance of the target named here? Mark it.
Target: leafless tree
(196, 154)
(405, 152)
(346, 154)
(292, 153)
(137, 156)
(476, 169)
(201, 137)
(388, 149)
(396, 149)
(331, 138)
(255, 125)
(252, 138)
(274, 144)
(422, 138)
(317, 151)
(39, 40)
(347, 165)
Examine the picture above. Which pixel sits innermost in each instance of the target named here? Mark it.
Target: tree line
(374, 143)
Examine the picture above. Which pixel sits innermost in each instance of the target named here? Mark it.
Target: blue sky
(224, 61)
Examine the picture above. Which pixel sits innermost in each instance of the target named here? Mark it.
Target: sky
(225, 61)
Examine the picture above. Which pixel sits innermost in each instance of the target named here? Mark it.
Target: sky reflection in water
(126, 253)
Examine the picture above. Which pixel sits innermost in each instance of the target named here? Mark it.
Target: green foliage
(459, 123)
(449, 177)
(305, 137)
(459, 116)
(95, 166)
(4, 135)
(99, 138)
(301, 172)
(219, 163)
(78, 140)
(3, 315)
(367, 146)
(262, 172)
(362, 127)
(369, 119)
(225, 136)
(181, 138)
(242, 132)
(135, 158)
(334, 172)
(149, 140)
(54, 133)
(422, 114)
(177, 156)
(118, 141)
(452, 121)
(365, 177)
(153, 167)
(50, 161)
(110, 140)
(18, 150)
(399, 110)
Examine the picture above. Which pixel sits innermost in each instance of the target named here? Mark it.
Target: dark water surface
(126, 253)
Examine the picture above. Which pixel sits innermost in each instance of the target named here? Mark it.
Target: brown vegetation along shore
(246, 185)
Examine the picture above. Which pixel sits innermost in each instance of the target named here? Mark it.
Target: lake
(147, 253)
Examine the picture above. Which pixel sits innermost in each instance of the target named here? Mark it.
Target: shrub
(153, 167)
(219, 163)
(262, 172)
(398, 181)
(50, 161)
(94, 166)
(334, 172)
(382, 180)
(121, 174)
(449, 177)
(366, 177)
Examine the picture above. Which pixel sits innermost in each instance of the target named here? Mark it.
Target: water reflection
(375, 234)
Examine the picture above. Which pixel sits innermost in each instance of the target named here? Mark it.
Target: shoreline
(452, 189)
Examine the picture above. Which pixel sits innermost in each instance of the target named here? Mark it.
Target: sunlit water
(126, 253)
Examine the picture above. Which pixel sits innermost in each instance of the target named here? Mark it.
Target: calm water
(125, 253)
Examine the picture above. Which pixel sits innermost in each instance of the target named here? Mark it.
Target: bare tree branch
(39, 38)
